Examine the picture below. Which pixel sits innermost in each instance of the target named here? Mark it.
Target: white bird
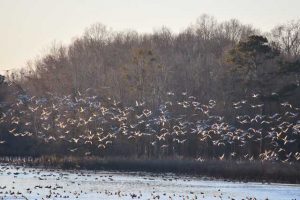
(73, 150)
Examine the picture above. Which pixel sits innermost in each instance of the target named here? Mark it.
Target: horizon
(29, 28)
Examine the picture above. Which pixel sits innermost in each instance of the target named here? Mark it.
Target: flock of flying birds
(180, 126)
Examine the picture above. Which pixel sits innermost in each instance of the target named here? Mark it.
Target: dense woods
(216, 90)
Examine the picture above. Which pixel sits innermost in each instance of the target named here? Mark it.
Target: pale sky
(29, 27)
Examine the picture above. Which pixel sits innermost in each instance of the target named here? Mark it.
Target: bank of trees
(226, 62)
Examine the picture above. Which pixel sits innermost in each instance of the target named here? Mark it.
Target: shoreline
(241, 171)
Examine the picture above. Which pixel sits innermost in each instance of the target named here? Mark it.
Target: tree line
(226, 62)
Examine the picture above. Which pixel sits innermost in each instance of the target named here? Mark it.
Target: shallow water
(32, 183)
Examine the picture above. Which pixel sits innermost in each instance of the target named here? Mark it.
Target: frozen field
(30, 183)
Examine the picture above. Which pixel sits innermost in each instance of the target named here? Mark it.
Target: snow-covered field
(31, 183)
